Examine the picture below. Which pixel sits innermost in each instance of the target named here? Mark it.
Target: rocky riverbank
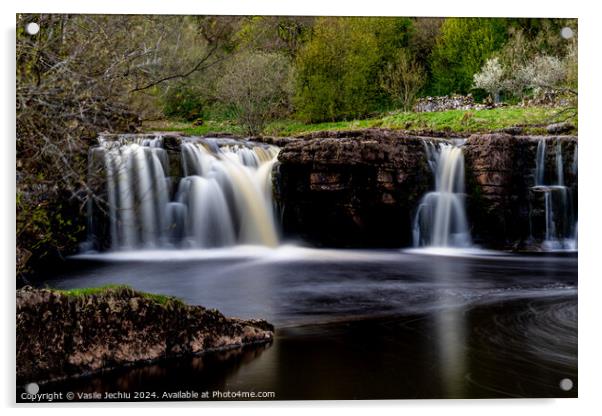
(61, 334)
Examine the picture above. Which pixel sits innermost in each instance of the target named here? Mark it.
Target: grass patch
(90, 291)
(186, 127)
(532, 119)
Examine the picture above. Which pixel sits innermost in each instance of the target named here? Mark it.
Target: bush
(185, 102)
(537, 60)
(543, 74)
(257, 87)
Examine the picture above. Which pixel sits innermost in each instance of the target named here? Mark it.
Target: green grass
(186, 127)
(90, 291)
(533, 119)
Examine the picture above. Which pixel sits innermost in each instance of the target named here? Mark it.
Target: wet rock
(503, 208)
(171, 141)
(60, 335)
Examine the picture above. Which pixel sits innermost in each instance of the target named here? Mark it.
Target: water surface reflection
(359, 324)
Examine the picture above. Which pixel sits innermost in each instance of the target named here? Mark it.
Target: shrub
(543, 74)
(184, 101)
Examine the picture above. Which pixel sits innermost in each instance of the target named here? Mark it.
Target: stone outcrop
(449, 102)
(503, 208)
(60, 335)
(361, 188)
(560, 128)
(351, 189)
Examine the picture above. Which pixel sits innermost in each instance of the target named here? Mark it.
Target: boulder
(61, 335)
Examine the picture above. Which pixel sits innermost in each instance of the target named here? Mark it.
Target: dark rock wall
(361, 188)
(351, 190)
(503, 210)
(60, 335)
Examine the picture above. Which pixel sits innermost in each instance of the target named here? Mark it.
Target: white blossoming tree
(491, 78)
(543, 74)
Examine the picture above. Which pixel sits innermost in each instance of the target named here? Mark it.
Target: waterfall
(559, 164)
(136, 192)
(440, 218)
(540, 164)
(224, 197)
(559, 217)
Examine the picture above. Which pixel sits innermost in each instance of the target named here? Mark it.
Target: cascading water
(559, 216)
(224, 197)
(440, 219)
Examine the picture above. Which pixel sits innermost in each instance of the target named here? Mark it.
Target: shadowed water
(359, 324)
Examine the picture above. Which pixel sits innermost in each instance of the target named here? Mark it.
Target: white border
(590, 128)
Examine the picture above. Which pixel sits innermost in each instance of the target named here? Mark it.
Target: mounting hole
(32, 28)
(566, 384)
(566, 32)
(32, 388)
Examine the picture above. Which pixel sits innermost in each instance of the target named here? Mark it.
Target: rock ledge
(61, 335)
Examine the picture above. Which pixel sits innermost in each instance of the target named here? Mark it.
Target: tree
(282, 34)
(491, 78)
(463, 46)
(335, 71)
(257, 87)
(537, 60)
(423, 36)
(79, 76)
(571, 63)
(403, 78)
(544, 74)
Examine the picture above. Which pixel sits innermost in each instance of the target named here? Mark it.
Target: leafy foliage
(462, 47)
(337, 67)
(491, 77)
(185, 101)
(334, 71)
(402, 79)
(81, 75)
(522, 69)
(256, 86)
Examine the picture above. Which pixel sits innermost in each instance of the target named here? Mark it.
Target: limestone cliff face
(504, 208)
(60, 335)
(361, 188)
(351, 189)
